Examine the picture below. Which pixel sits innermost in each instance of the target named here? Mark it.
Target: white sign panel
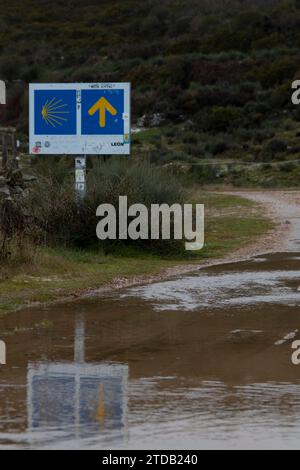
(80, 163)
(80, 176)
(79, 119)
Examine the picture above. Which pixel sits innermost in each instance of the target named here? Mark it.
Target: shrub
(222, 118)
(276, 146)
(189, 137)
(273, 148)
(63, 220)
(278, 72)
(17, 225)
(217, 148)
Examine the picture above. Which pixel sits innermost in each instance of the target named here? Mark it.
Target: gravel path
(284, 208)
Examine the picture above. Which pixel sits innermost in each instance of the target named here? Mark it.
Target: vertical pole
(79, 340)
(18, 143)
(3, 102)
(14, 150)
(79, 357)
(4, 152)
(80, 177)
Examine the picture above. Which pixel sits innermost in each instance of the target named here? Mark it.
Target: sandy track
(284, 209)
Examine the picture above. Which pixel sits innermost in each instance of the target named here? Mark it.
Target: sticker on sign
(80, 163)
(80, 176)
(80, 118)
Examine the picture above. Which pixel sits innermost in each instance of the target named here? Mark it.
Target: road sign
(80, 119)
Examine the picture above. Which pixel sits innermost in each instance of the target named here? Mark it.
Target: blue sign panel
(102, 112)
(55, 112)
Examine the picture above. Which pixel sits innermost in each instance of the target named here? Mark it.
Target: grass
(57, 273)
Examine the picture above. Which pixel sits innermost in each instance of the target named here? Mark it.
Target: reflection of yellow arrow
(102, 106)
(100, 416)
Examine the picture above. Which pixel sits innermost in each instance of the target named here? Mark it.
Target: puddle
(198, 362)
(241, 284)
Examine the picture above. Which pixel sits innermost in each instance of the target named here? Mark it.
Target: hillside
(211, 79)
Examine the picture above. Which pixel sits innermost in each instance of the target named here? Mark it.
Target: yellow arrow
(102, 106)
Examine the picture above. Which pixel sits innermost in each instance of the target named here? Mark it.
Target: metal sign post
(2, 92)
(80, 177)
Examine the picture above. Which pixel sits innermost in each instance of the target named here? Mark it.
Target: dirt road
(284, 209)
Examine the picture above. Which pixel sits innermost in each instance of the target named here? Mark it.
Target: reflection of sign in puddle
(77, 399)
(84, 399)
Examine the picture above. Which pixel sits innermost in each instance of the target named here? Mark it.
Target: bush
(222, 118)
(273, 148)
(189, 137)
(12, 227)
(17, 225)
(217, 148)
(63, 220)
(278, 72)
(276, 146)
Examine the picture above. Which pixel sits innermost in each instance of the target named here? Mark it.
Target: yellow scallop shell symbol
(54, 112)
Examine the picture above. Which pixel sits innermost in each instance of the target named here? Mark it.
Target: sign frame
(80, 144)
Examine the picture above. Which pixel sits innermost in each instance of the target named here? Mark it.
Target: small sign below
(80, 176)
(80, 163)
